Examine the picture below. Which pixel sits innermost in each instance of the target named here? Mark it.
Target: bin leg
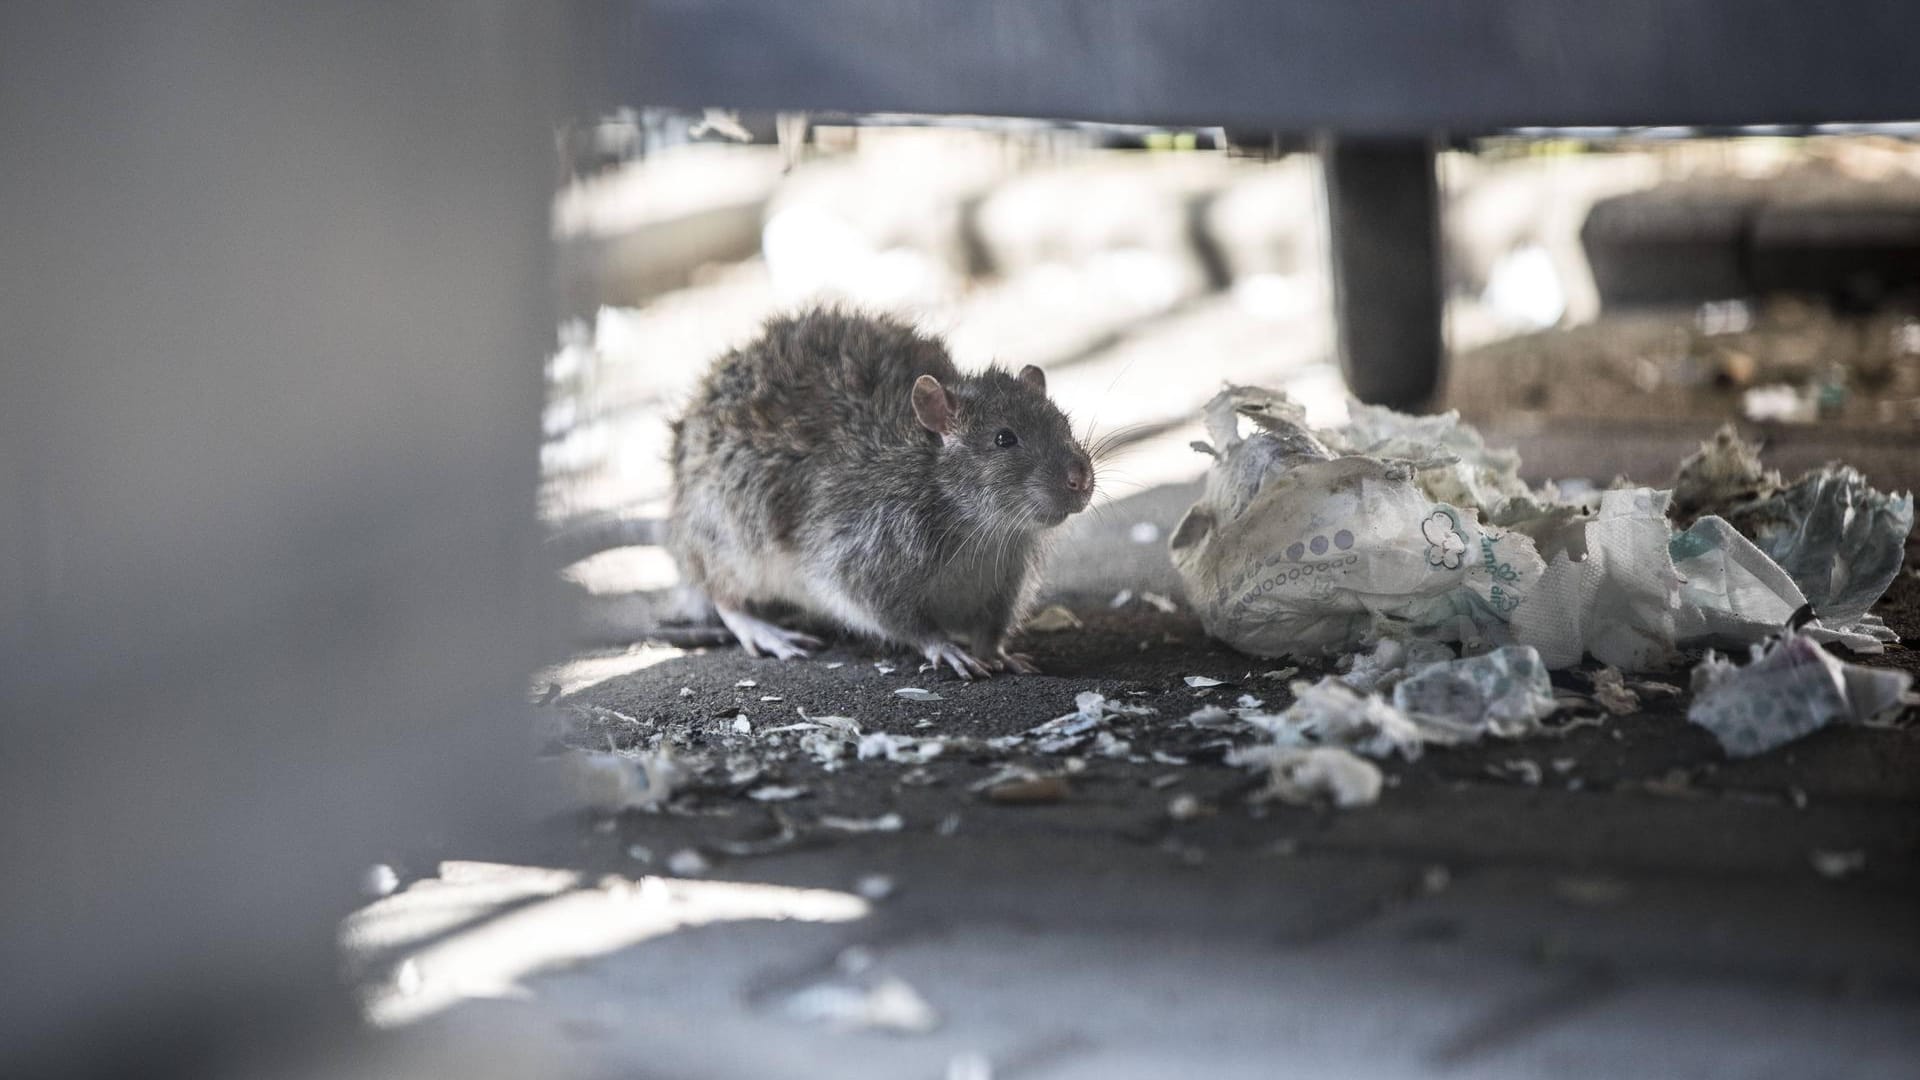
(1383, 213)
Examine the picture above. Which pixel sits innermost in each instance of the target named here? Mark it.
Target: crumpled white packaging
(1792, 687)
(1839, 539)
(1331, 713)
(1620, 602)
(1505, 692)
(1295, 550)
(1291, 551)
(1731, 592)
(1304, 776)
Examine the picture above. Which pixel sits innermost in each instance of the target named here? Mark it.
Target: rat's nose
(1079, 478)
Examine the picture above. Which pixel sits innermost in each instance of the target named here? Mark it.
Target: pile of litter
(1408, 537)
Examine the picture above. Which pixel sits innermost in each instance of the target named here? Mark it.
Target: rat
(841, 464)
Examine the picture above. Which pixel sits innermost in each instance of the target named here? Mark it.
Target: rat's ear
(933, 406)
(1035, 378)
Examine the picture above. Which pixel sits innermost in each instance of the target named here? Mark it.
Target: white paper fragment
(884, 1004)
(379, 880)
(746, 684)
(1781, 403)
(1305, 776)
(1162, 604)
(1837, 864)
(1790, 688)
(1390, 661)
(889, 822)
(1331, 713)
(1091, 709)
(1121, 599)
(1610, 693)
(609, 783)
(915, 693)
(1052, 620)
(904, 749)
(1213, 716)
(742, 725)
(1202, 682)
(687, 863)
(775, 793)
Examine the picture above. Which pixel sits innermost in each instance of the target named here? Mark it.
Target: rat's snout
(1080, 481)
(1079, 478)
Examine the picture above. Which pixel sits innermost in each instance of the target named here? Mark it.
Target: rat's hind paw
(760, 637)
(1018, 662)
(960, 660)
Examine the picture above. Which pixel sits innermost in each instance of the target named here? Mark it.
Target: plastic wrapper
(1306, 776)
(1791, 688)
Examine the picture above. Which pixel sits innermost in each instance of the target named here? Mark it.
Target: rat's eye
(1006, 438)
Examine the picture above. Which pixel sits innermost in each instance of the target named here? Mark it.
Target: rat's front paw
(759, 637)
(1017, 662)
(960, 660)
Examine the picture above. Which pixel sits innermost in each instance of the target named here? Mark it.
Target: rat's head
(1006, 446)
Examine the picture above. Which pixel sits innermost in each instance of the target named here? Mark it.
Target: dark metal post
(1383, 224)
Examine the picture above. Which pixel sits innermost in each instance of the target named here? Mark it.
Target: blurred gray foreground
(273, 298)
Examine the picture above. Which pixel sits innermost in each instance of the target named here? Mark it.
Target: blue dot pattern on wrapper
(1343, 539)
(1295, 551)
(1319, 545)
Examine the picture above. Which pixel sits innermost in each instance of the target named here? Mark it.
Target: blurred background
(1654, 282)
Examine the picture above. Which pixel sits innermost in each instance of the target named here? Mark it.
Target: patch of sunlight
(578, 674)
(480, 929)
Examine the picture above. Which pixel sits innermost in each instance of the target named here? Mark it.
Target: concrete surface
(1649, 909)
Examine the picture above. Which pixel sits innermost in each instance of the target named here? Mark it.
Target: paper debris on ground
(1052, 620)
(1505, 692)
(1305, 776)
(1203, 682)
(1837, 539)
(915, 693)
(1838, 864)
(1791, 687)
(885, 1003)
(889, 822)
(610, 782)
(1331, 713)
(1610, 693)
(775, 793)
(1318, 542)
(687, 863)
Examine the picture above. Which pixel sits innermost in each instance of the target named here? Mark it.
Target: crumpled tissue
(1791, 688)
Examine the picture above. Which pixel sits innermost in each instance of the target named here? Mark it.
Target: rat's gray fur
(803, 476)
